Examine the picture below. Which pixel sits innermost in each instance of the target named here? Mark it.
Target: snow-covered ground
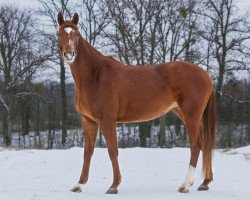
(147, 174)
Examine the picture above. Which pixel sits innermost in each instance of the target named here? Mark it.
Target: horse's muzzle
(70, 56)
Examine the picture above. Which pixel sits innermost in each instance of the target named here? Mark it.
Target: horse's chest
(84, 108)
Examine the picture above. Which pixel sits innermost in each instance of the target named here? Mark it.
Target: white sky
(21, 3)
(243, 4)
(31, 4)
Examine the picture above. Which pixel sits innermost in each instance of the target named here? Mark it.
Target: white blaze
(68, 30)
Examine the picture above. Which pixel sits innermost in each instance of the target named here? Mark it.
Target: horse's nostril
(69, 55)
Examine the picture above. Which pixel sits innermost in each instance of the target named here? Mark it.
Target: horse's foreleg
(90, 132)
(109, 131)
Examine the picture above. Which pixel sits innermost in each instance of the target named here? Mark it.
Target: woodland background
(37, 91)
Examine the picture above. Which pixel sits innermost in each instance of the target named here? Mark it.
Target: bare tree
(133, 32)
(49, 10)
(94, 19)
(21, 52)
(228, 34)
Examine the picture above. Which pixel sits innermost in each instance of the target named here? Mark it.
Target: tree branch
(233, 99)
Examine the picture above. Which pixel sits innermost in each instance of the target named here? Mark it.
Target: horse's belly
(146, 113)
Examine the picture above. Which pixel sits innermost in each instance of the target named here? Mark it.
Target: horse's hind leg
(192, 122)
(90, 132)
(193, 131)
(207, 169)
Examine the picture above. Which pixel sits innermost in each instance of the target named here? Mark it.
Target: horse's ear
(75, 19)
(60, 19)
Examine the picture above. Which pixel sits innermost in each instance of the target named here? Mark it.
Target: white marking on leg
(68, 30)
(189, 178)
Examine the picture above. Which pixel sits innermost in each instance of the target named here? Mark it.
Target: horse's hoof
(183, 190)
(112, 191)
(203, 188)
(77, 188)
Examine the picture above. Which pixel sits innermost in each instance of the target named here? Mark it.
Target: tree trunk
(37, 132)
(100, 138)
(177, 127)
(6, 108)
(50, 118)
(63, 102)
(162, 133)
(6, 128)
(49, 135)
(144, 132)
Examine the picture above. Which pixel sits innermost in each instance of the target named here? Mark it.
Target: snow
(147, 174)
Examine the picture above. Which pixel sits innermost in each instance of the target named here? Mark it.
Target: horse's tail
(208, 136)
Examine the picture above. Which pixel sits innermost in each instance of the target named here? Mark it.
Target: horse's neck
(87, 63)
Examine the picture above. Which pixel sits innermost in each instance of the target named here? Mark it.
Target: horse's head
(68, 37)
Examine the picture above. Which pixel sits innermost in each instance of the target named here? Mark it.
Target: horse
(108, 91)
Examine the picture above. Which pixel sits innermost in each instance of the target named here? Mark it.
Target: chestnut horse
(108, 91)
